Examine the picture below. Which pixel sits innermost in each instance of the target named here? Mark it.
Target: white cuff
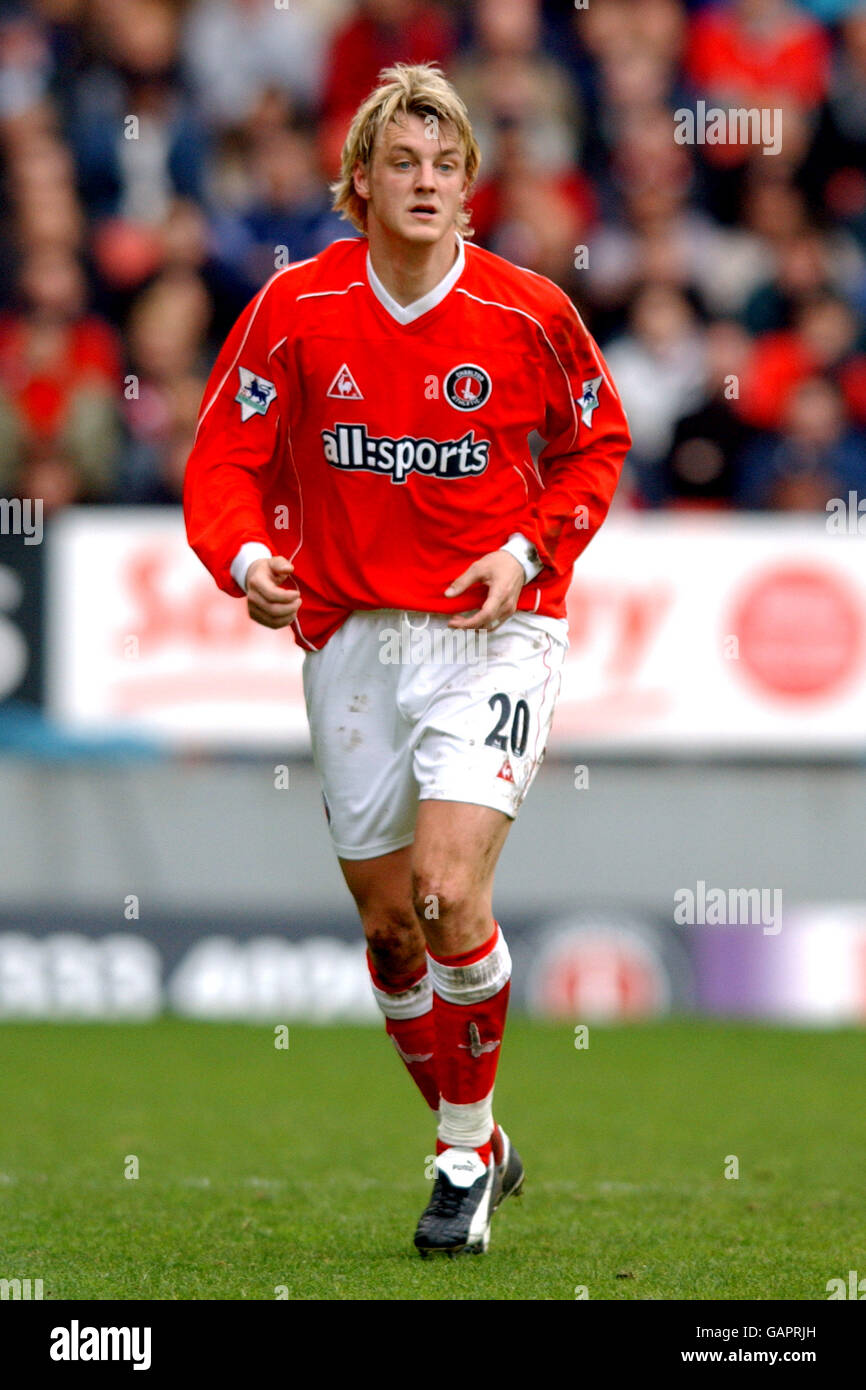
(525, 552)
(413, 1002)
(472, 984)
(249, 551)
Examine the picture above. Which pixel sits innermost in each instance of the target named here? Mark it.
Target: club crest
(467, 387)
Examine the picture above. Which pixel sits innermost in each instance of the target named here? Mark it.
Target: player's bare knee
(441, 898)
(395, 942)
(397, 964)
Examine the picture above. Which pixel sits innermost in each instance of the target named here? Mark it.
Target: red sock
(470, 1002)
(407, 1006)
(415, 1041)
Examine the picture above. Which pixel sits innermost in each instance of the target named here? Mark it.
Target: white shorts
(403, 708)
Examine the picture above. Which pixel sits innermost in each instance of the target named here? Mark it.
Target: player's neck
(409, 271)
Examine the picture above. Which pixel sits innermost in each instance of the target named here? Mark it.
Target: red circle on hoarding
(597, 974)
(800, 631)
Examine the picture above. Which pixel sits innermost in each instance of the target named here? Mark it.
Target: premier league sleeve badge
(255, 394)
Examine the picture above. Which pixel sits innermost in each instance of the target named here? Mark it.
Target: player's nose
(425, 178)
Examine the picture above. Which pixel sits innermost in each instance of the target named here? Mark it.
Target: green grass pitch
(302, 1169)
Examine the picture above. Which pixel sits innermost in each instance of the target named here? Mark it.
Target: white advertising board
(737, 634)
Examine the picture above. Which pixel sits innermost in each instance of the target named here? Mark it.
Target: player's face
(416, 181)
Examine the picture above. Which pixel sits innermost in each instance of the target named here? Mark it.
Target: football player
(404, 446)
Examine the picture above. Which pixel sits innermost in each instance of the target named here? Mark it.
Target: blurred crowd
(161, 157)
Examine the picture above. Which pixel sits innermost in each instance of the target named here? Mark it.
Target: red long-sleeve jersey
(383, 449)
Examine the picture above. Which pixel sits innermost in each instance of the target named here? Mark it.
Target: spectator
(268, 46)
(530, 217)
(288, 215)
(138, 142)
(659, 372)
(836, 168)
(824, 338)
(634, 52)
(702, 468)
(644, 218)
(764, 55)
(60, 383)
(662, 236)
(507, 82)
(816, 455)
(167, 336)
(807, 263)
(376, 34)
(752, 52)
(25, 66)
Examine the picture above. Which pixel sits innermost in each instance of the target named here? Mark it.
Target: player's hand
(268, 602)
(504, 577)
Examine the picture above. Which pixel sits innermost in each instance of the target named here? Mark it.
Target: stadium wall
(130, 887)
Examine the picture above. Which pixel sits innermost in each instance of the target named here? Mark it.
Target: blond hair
(403, 90)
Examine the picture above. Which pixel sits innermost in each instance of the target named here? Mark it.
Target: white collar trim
(408, 313)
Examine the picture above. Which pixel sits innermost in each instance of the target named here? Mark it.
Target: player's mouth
(423, 211)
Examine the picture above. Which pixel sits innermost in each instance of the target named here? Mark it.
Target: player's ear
(360, 178)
